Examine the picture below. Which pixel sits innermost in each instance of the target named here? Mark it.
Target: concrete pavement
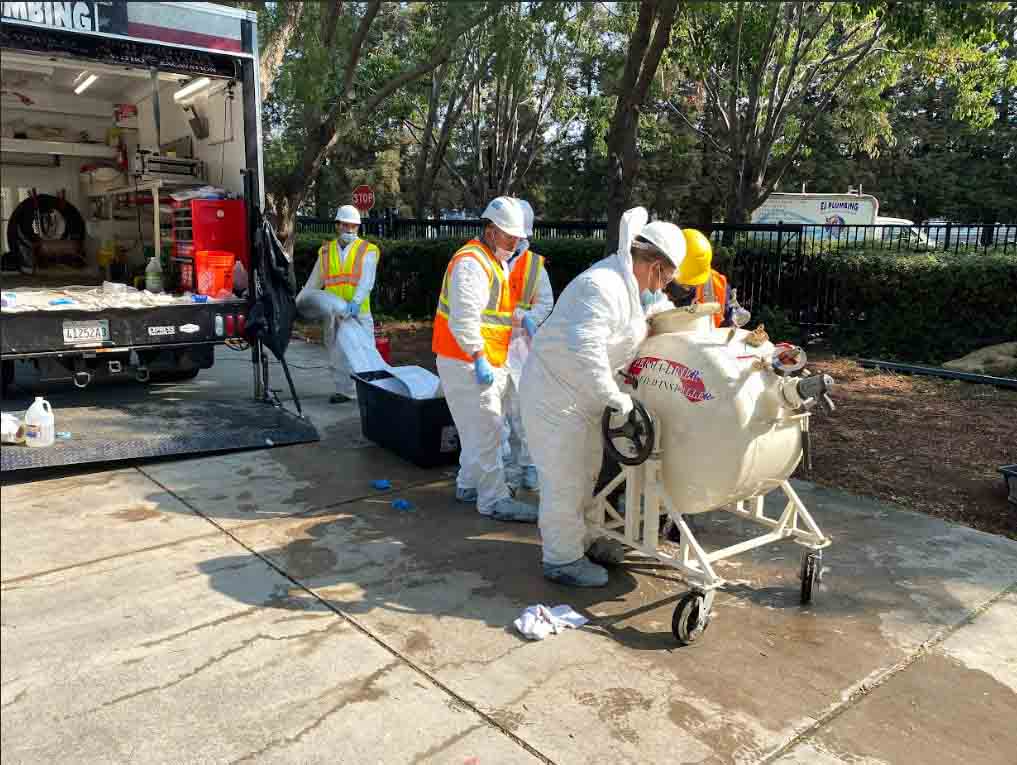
(271, 607)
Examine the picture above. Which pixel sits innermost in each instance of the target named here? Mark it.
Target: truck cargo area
(130, 164)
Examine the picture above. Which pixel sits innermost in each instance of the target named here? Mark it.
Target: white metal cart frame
(646, 500)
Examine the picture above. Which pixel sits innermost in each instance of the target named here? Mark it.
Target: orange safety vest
(496, 318)
(523, 280)
(714, 290)
(339, 275)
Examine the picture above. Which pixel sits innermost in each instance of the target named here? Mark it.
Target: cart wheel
(812, 567)
(690, 618)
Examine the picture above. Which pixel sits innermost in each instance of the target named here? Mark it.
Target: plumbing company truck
(829, 214)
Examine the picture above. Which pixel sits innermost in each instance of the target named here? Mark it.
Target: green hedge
(409, 280)
(925, 307)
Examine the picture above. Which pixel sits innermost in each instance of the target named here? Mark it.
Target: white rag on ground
(539, 621)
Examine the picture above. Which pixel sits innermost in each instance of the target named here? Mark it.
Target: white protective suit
(595, 329)
(518, 457)
(478, 410)
(315, 303)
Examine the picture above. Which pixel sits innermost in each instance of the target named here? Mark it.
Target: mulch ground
(918, 442)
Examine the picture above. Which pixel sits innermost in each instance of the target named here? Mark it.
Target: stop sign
(363, 198)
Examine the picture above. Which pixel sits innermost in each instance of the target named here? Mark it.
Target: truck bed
(97, 320)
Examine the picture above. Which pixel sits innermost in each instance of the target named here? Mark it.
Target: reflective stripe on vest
(524, 279)
(714, 290)
(495, 319)
(341, 276)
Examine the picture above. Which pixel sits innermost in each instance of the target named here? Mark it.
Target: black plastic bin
(418, 430)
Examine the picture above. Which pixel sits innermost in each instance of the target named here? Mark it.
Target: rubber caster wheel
(691, 618)
(812, 567)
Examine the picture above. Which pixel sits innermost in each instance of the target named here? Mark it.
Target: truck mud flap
(106, 427)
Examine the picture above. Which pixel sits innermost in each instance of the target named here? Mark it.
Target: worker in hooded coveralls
(346, 269)
(570, 377)
(472, 330)
(534, 296)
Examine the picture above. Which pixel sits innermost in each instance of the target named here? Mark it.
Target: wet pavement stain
(614, 705)
(305, 560)
(364, 692)
(418, 642)
(141, 512)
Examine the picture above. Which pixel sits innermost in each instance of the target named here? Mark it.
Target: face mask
(346, 237)
(501, 254)
(649, 297)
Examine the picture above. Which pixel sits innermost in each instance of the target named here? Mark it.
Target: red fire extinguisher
(384, 347)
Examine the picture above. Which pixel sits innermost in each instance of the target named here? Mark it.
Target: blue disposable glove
(483, 371)
(352, 309)
(530, 326)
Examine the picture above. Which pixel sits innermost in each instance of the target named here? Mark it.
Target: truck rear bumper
(86, 333)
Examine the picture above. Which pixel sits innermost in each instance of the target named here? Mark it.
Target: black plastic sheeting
(110, 425)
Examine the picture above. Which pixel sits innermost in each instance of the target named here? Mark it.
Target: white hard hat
(348, 214)
(667, 238)
(527, 216)
(507, 214)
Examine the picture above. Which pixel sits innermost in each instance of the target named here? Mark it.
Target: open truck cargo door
(142, 120)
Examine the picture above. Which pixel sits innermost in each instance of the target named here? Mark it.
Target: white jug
(40, 429)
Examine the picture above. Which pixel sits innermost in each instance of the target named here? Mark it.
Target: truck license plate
(85, 333)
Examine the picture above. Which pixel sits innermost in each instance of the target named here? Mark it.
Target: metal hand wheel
(637, 431)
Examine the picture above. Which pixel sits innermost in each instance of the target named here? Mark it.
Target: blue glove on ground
(482, 369)
(530, 326)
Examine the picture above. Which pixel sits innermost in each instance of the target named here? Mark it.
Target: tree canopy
(697, 110)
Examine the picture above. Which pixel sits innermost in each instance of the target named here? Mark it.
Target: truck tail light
(241, 324)
(230, 325)
(218, 325)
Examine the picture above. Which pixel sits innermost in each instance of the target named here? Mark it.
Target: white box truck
(130, 129)
(113, 114)
(831, 216)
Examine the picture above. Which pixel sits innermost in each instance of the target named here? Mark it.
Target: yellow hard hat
(695, 268)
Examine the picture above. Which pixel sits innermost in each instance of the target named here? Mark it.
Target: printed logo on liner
(673, 376)
(189, 329)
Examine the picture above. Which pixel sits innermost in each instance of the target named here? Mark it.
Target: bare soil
(923, 443)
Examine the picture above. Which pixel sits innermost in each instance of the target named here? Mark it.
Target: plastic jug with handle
(40, 429)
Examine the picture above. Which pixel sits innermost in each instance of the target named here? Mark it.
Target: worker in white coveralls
(531, 289)
(472, 330)
(597, 325)
(345, 274)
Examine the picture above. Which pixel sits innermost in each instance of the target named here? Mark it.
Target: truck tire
(56, 219)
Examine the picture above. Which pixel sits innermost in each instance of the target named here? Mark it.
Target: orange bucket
(213, 272)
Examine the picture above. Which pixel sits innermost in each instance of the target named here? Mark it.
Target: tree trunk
(275, 47)
(649, 39)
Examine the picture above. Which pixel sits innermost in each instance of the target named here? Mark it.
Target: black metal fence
(391, 227)
(809, 238)
(779, 264)
(785, 264)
